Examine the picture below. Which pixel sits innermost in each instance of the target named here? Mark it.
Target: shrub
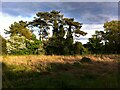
(86, 60)
(79, 49)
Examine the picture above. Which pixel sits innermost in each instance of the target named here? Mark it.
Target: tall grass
(36, 71)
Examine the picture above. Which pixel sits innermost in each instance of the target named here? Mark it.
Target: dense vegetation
(23, 39)
(107, 41)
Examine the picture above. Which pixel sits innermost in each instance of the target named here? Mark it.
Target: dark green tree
(19, 29)
(95, 45)
(79, 49)
(57, 42)
(112, 36)
(73, 27)
(107, 41)
(33, 47)
(2, 46)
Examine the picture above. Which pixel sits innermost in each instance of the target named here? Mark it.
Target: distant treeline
(23, 39)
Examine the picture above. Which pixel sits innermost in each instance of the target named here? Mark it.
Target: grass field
(32, 71)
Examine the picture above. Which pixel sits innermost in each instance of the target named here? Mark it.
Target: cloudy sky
(91, 14)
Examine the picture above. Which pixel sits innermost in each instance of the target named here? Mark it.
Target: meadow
(41, 71)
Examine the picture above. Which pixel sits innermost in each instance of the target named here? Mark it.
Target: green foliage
(2, 45)
(95, 45)
(62, 46)
(112, 36)
(17, 45)
(23, 41)
(107, 41)
(55, 45)
(33, 47)
(19, 29)
(79, 48)
(69, 45)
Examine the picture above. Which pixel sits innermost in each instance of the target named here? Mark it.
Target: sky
(91, 14)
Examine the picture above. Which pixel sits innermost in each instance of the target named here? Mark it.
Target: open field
(32, 71)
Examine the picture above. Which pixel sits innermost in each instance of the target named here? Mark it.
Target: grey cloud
(85, 12)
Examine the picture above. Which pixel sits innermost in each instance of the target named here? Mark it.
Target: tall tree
(22, 40)
(46, 19)
(107, 41)
(73, 28)
(112, 35)
(43, 21)
(95, 43)
(19, 29)
(59, 23)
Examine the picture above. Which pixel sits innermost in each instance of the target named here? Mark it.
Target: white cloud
(7, 20)
(90, 29)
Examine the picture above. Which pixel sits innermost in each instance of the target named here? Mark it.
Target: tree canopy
(20, 29)
(55, 33)
(107, 41)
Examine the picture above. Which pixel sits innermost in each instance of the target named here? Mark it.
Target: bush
(57, 46)
(86, 60)
(79, 49)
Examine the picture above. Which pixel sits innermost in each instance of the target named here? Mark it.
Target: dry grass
(103, 69)
(101, 62)
(39, 58)
(55, 59)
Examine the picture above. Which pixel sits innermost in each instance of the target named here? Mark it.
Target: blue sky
(91, 14)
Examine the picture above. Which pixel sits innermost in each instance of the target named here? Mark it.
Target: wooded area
(23, 40)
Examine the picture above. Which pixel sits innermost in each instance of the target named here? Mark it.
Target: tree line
(23, 39)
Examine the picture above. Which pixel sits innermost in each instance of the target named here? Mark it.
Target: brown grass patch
(99, 62)
(26, 59)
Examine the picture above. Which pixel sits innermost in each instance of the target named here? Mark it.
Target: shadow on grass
(59, 75)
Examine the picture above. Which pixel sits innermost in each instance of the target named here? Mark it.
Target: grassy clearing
(32, 71)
